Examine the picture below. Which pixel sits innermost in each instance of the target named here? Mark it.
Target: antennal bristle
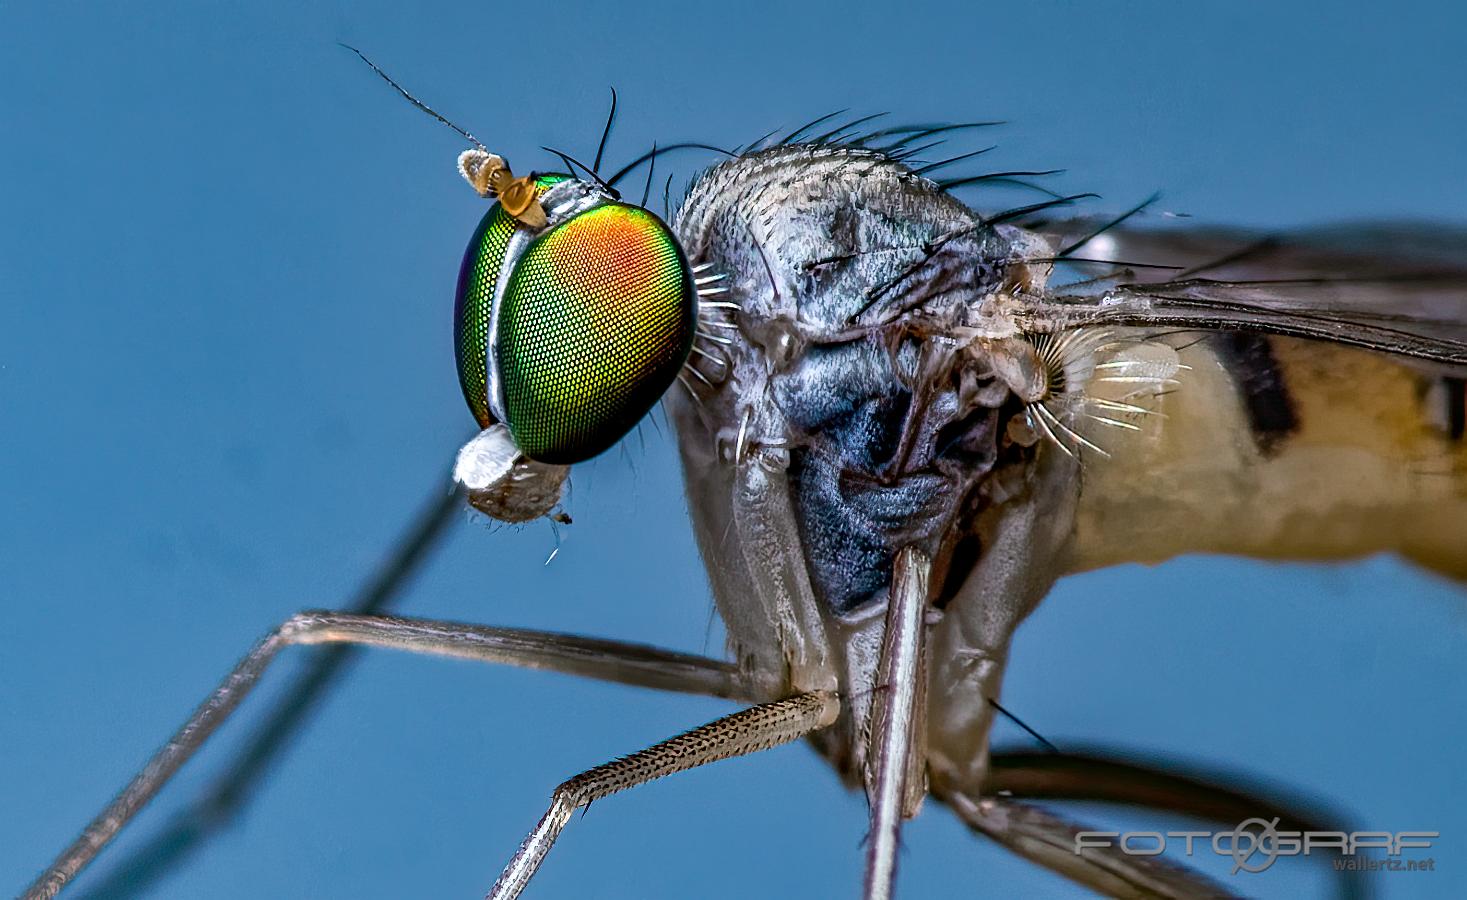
(411, 99)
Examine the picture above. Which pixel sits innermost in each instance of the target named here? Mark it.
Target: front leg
(744, 732)
(633, 664)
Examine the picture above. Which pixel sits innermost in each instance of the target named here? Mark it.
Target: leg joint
(298, 627)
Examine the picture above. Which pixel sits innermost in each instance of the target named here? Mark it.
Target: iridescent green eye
(473, 305)
(597, 318)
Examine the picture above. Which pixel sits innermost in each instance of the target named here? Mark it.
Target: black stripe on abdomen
(1255, 370)
(1456, 407)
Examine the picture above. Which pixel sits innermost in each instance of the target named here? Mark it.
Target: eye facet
(474, 302)
(597, 318)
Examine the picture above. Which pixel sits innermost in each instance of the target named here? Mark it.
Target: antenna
(411, 99)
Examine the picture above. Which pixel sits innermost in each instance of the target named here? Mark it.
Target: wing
(1395, 288)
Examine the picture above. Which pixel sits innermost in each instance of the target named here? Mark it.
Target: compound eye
(598, 316)
(474, 301)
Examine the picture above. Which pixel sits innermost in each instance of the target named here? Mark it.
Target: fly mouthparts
(503, 483)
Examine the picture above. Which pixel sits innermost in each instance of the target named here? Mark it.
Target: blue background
(227, 254)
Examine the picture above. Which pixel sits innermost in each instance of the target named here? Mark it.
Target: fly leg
(1048, 840)
(744, 732)
(1218, 797)
(228, 794)
(895, 775)
(632, 664)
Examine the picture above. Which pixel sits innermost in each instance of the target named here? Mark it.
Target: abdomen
(1284, 449)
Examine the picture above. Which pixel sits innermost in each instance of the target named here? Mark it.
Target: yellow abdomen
(1284, 449)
